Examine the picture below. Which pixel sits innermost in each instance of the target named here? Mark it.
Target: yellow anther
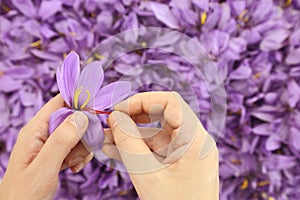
(5, 8)
(73, 34)
(271, 198)
(263, 183)
(122, 193)
(242, 16)
(36, 43)
(203, 18)
(1, 73)
(99, 56)
(264, 195)
(144, 44)
(236, 161)
(93, 15)
(288, 3)
(244, 184)
(86, 100)
(89, 60)
(76, 97)
(65, 55)
(257, 75)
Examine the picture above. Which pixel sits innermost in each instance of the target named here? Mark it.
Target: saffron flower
(82, 92)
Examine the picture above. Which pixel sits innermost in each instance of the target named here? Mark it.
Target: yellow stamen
(122, 192)
(244, 184)
(242, 16)
(1, 73)
(233, 139)
(87, 100)
(76, 97)
(89, 60)
(271, 198)
(288, 3)
(203, 18)
(257, 75)
(36, 43)
(263, 183)
(73, 34)
(236, 161)
(264, 195)
(5, 8)
(93, 15)
(65, 55)
(99, 56)
(144, 44)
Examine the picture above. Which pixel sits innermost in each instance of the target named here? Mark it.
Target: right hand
(178, 161)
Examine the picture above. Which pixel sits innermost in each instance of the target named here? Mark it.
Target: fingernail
(81, 122)
(75, 161)
(78, 167)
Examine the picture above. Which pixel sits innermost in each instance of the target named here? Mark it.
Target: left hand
(37, 158)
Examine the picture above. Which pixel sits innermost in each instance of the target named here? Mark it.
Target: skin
(186, 177)
(30, 173)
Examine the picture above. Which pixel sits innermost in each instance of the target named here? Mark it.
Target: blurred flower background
(255, 44)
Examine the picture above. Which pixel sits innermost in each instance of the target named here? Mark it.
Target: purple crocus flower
(82, 92)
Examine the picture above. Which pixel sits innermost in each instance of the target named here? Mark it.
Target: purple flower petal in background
(49, 8)
(164, 14)
(25, 6)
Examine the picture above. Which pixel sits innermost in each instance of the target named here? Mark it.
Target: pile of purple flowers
(255, 44)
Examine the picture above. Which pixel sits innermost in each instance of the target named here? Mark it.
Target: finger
(111, 151)
(33, 136)
(125, 133)
(77, 155)
(62, 140)
(135, 154)
(155, 103)
(148, 134)
(80, 165)
(43, 115)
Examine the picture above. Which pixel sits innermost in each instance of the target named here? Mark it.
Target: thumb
(134, 152)
(62, 140)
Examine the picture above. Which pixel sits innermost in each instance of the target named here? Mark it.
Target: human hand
(178, 161)
(37, 158)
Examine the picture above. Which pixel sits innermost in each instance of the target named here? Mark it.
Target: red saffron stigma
(98, 111)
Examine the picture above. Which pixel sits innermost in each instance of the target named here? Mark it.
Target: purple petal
(8, 84)
(242, 72)
(294, 138)
(263, 129)
(112, 94)
(293, 93)
(203, 4)
(274, 39)
(44, 55)
(94, 136)
(91, 79)
(273, 143)
(59, 46)
(58, 117)
(20, 72)
(49, 8)
(163, 13)
(47, 32)
(279, 162)
(67, 75)
(25, 6)
(293, 56)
